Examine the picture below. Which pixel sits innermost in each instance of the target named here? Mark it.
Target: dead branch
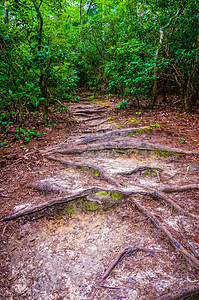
(180, 249)
(130, 250)
(188, 290)
(174, 188)
(94, 168)
(139, 169)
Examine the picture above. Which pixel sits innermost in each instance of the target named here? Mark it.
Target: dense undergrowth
(137, 50)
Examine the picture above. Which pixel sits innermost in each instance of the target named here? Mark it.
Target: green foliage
(26, 134)
(122, 104)
(130, 48)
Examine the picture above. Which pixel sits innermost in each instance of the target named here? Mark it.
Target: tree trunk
(80, 12)
(191, 88)
(5, 13)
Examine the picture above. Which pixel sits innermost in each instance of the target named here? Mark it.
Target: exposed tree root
(94, 169)
(86, 111)
(157, 194)
(181, 229)
(139, 169)
(91, 139)
(188, 290)
(112, 134)
(94, 130)
(68, 198)
(100, 123)
(47, 188)
(180, 249)
(130, 250)
(93, 118)
(124, 144)
(174, 188)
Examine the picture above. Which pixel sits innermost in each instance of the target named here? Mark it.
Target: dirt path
(115, 218)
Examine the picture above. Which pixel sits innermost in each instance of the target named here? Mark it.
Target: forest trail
(117, 217)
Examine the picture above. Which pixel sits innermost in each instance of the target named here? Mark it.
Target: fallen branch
(139, 169)
(174, 188)
(94, 169)
(120, 256)
(180, 249)
(189, 290)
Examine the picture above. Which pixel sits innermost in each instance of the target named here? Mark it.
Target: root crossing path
(117, 217)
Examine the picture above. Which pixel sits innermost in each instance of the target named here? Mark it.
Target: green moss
(116, 195)
(95, 172)
(119, 126)
(151, 171)
(131, 133)
(102, 193)
(92, 207)
(121, 151)
(147, 172)
(70, 209)
(155, 125)
(133, 120)
(95, 100)
(139, 131)
(166, 153)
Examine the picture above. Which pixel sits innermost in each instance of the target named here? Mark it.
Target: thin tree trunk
(80, 12)
(155, 84)
(5, 13)
(189, 87)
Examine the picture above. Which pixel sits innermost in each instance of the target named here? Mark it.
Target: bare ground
(107, 210)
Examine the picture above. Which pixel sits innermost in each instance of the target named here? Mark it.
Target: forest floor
(103, 205)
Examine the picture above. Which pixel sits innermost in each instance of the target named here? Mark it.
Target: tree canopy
(138, 49)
